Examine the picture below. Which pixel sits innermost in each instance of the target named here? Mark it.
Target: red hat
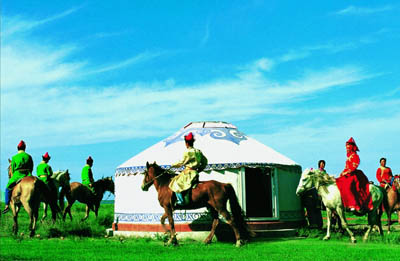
(189, 137)
(352, 142)
(46, 156)
(89, 159)
(21, 145)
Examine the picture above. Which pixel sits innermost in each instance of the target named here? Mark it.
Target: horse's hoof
(353, 240)
(326, 238)
(239, 243)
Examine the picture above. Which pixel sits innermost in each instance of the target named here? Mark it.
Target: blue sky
(111, 78)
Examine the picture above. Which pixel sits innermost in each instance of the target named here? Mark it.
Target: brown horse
(77, 191)
(393, 200)
(211, 194)
(29, 192)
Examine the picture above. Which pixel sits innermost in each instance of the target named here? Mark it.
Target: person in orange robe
(352, 183)
(384, 174)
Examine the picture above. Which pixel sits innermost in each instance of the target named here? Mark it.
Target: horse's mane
(322, 178)
(57, 174)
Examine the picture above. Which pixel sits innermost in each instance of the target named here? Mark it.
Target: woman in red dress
(352, 183)
(384, 174)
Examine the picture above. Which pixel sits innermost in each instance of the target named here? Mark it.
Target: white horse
(61, 179)
(327, 188)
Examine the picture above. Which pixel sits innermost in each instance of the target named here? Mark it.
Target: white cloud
(354, 10)
(17, 24)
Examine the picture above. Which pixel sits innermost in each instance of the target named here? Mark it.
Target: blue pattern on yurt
(220, 166)
(155, 217)
(229, 134)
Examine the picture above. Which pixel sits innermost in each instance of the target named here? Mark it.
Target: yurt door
(258, 191)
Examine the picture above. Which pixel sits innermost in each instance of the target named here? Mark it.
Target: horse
(327, 188)
(29, 192)
(77, 191)
(211, 194)
(393, 200)
(59, 179)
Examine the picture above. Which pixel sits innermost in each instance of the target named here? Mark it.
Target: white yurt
(264, 180)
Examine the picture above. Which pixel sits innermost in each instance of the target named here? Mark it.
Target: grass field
(86, 241)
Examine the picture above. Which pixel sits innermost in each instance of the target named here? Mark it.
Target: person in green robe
(43, 170)
(21, 166)
(87, 174)
(194, 162)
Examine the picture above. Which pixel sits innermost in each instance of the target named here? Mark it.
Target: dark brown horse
(393, 200)
(77, 191)
(29, 192)
(211, 194)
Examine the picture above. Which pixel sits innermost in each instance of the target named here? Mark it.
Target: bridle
(153, 179)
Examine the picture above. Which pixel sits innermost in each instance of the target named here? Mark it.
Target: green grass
(78, 240)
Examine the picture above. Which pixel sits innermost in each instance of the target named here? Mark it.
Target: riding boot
(7, 200)
(179, 198)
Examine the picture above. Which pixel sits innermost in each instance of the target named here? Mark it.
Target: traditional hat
(89, 160)
(46, 156)
(189, 137)
(21, 145)
(352, 142)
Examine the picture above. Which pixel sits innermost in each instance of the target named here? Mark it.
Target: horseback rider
(87, 175)
(353, 182)
(44, 171)
(21, 167)
(384, 174)
(194, 162)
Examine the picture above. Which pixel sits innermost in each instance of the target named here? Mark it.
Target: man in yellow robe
(194, 162)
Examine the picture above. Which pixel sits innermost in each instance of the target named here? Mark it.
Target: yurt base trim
(256, 226)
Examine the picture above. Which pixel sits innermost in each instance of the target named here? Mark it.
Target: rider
(353, 183)
(21, 167)
(43, 170)
(384, 174)
(321, 165)
(194, 162)
(87, 175)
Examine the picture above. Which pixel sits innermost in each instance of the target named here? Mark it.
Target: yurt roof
(222, 143)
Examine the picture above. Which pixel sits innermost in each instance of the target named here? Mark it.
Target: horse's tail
(237, 213)
(48, 195)
(61, 199)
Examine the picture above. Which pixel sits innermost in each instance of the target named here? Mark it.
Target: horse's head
(152, 172)
(64, 179)
(306, 181)
(396, 182)
(109, 184)
(9, 170)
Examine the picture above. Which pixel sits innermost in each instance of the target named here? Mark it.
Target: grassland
(86, 241)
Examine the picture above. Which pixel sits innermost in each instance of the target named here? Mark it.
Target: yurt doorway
(258, 192)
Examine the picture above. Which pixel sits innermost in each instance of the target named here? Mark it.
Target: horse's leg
(68, 208)
(29, 210)
(164, 216)
(232, 223)
(389, 215)
(214, 215)
(87, 212)
(15, 210)
(96, 208)
(172, 239)
(328, 223)
(398, 217)
(35, 213)
(340, 212)
(44, 211)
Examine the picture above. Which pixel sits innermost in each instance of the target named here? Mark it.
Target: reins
(156, 177)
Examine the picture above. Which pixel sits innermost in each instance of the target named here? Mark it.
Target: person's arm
(91, 175)
(182, 162)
